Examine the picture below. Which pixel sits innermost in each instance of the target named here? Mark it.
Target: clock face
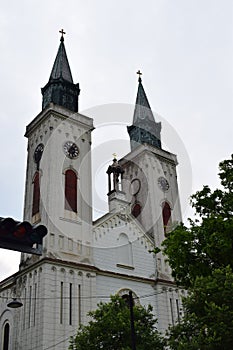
(163, 183)
(135, 186)
(71, 149)
(38, 152)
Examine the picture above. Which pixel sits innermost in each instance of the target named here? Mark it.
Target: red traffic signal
(21, 236)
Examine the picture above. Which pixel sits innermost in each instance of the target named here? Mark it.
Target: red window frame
(36, 194)
(71, 190)
(166, 215)
(136, 209)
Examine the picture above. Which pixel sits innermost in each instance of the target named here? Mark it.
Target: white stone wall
(53, 127)
(129, 256)
(164, 298)
(107, 285)
(147, 164)
(48, 316)
(140, 276)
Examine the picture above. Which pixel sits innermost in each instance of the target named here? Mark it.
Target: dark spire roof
(142, 108)
(144, 128)
(61, 67)
(60, 88)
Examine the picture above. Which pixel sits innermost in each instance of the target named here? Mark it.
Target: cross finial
(139, 76)
(62, 34)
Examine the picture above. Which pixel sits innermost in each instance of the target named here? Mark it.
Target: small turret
(116, 197)
(115, 176)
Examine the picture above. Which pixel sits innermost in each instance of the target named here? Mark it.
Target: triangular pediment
(123, 221)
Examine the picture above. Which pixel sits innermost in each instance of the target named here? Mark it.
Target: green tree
(208, 320)
(109, 328)
(202, 261)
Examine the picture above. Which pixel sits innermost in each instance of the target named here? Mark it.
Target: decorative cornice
(62, 114)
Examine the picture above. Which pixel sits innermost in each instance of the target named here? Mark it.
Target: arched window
(6, 336)
(36, 194)
(124, 251)
(124, 294)
(166, 216)
(136, 209)
(71, 191)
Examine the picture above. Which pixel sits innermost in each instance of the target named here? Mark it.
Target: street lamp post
(133, 338)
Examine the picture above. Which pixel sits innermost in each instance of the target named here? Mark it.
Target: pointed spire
(144, 128)
(60, 88)
(142, 109)
(61, 67)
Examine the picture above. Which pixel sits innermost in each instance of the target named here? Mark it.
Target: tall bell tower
(151, 178)
(58, 194)
(58, 180)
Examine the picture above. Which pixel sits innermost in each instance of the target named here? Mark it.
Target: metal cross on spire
(139, 76)
(62, 34)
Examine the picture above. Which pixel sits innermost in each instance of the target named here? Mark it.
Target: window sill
(36, 218)
(123, 266)
(70, 216)
(76, 221)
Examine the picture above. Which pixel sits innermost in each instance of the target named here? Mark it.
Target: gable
(121, 245)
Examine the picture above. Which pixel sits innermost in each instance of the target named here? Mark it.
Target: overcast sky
(184, 49)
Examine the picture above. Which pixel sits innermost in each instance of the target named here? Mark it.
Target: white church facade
(84, 262)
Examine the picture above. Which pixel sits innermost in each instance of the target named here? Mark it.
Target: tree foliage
(207, 244)
(109, 328)
(202, 261)
(208, 320)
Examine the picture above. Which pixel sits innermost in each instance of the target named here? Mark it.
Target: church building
(86, 261)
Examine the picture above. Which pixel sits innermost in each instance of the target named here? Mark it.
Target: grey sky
(184, 49)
